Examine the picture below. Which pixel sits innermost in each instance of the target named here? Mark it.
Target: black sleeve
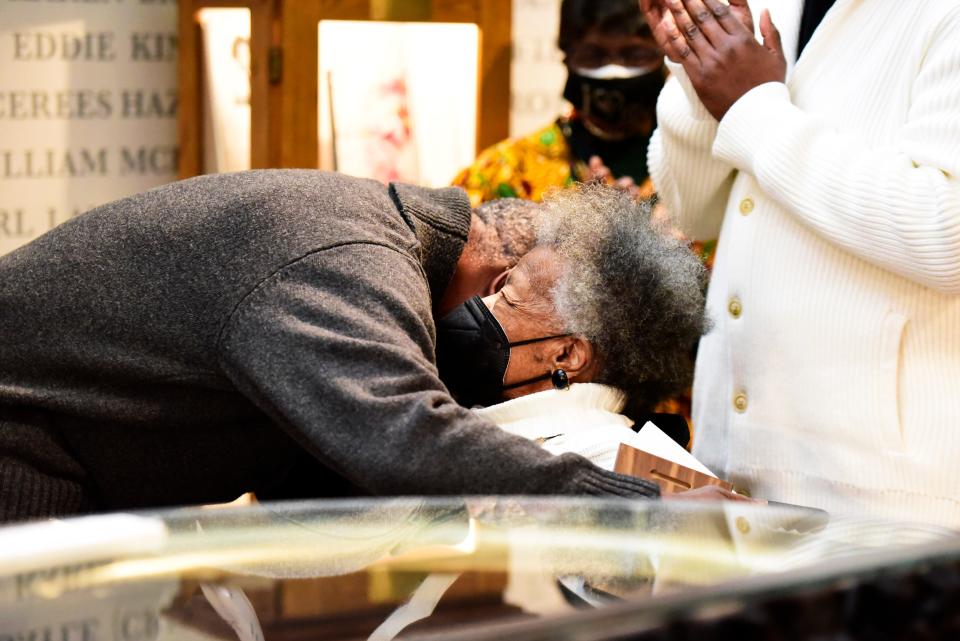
(337, 348)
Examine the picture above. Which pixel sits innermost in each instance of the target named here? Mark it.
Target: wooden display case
(284, 71)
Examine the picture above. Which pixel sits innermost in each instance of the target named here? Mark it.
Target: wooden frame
(285, 68)
(190, 71)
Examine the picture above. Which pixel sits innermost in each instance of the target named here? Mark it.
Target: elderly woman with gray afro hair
(602, 313)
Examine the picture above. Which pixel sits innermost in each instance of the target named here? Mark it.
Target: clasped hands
(715, 44)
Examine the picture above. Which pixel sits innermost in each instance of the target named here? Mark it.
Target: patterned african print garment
(528, 167)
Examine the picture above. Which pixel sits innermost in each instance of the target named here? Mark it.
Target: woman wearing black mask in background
(597, 316)
(615, 73)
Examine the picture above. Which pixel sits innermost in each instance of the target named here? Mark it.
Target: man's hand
(715, 44)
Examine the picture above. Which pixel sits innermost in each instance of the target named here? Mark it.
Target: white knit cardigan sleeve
(897, 206)
(692, 184)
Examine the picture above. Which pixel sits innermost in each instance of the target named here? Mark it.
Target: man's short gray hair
(630, 288)
(516, 223)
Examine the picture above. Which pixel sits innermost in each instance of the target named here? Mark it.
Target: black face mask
(473, 353)
(614, 108)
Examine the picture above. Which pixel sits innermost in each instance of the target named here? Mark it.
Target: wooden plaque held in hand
(671, 477)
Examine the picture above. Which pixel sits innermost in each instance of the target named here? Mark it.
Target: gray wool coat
(266, 331)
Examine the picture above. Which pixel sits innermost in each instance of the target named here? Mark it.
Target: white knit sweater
(832, 377)
(584, 419)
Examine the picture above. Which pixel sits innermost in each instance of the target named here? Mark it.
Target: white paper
(420, 606)
(233, 606)
(652, 440)
(383, 114)
(226, 98)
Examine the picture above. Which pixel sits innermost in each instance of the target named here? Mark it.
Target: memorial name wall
(88, 107)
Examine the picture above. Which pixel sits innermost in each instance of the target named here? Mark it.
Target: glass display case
(479, 568)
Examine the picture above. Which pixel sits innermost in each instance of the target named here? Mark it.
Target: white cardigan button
(740, 402)
(735, 307)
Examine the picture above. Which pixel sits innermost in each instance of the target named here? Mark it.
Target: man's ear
(496, 284)
(577, 358)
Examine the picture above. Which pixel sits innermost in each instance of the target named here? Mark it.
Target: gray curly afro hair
(516, 222)
(630, 288)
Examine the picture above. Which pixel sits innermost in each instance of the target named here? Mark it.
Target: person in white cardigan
(832, 377)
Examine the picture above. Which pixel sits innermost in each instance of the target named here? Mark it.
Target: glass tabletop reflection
(381, 569)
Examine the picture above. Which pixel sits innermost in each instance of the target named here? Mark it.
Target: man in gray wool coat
(268, 331)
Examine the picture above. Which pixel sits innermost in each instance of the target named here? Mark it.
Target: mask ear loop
(537, 340)
(544, 377)
(527, 382)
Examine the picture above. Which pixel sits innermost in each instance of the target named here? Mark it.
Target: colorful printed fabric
(526, 167)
